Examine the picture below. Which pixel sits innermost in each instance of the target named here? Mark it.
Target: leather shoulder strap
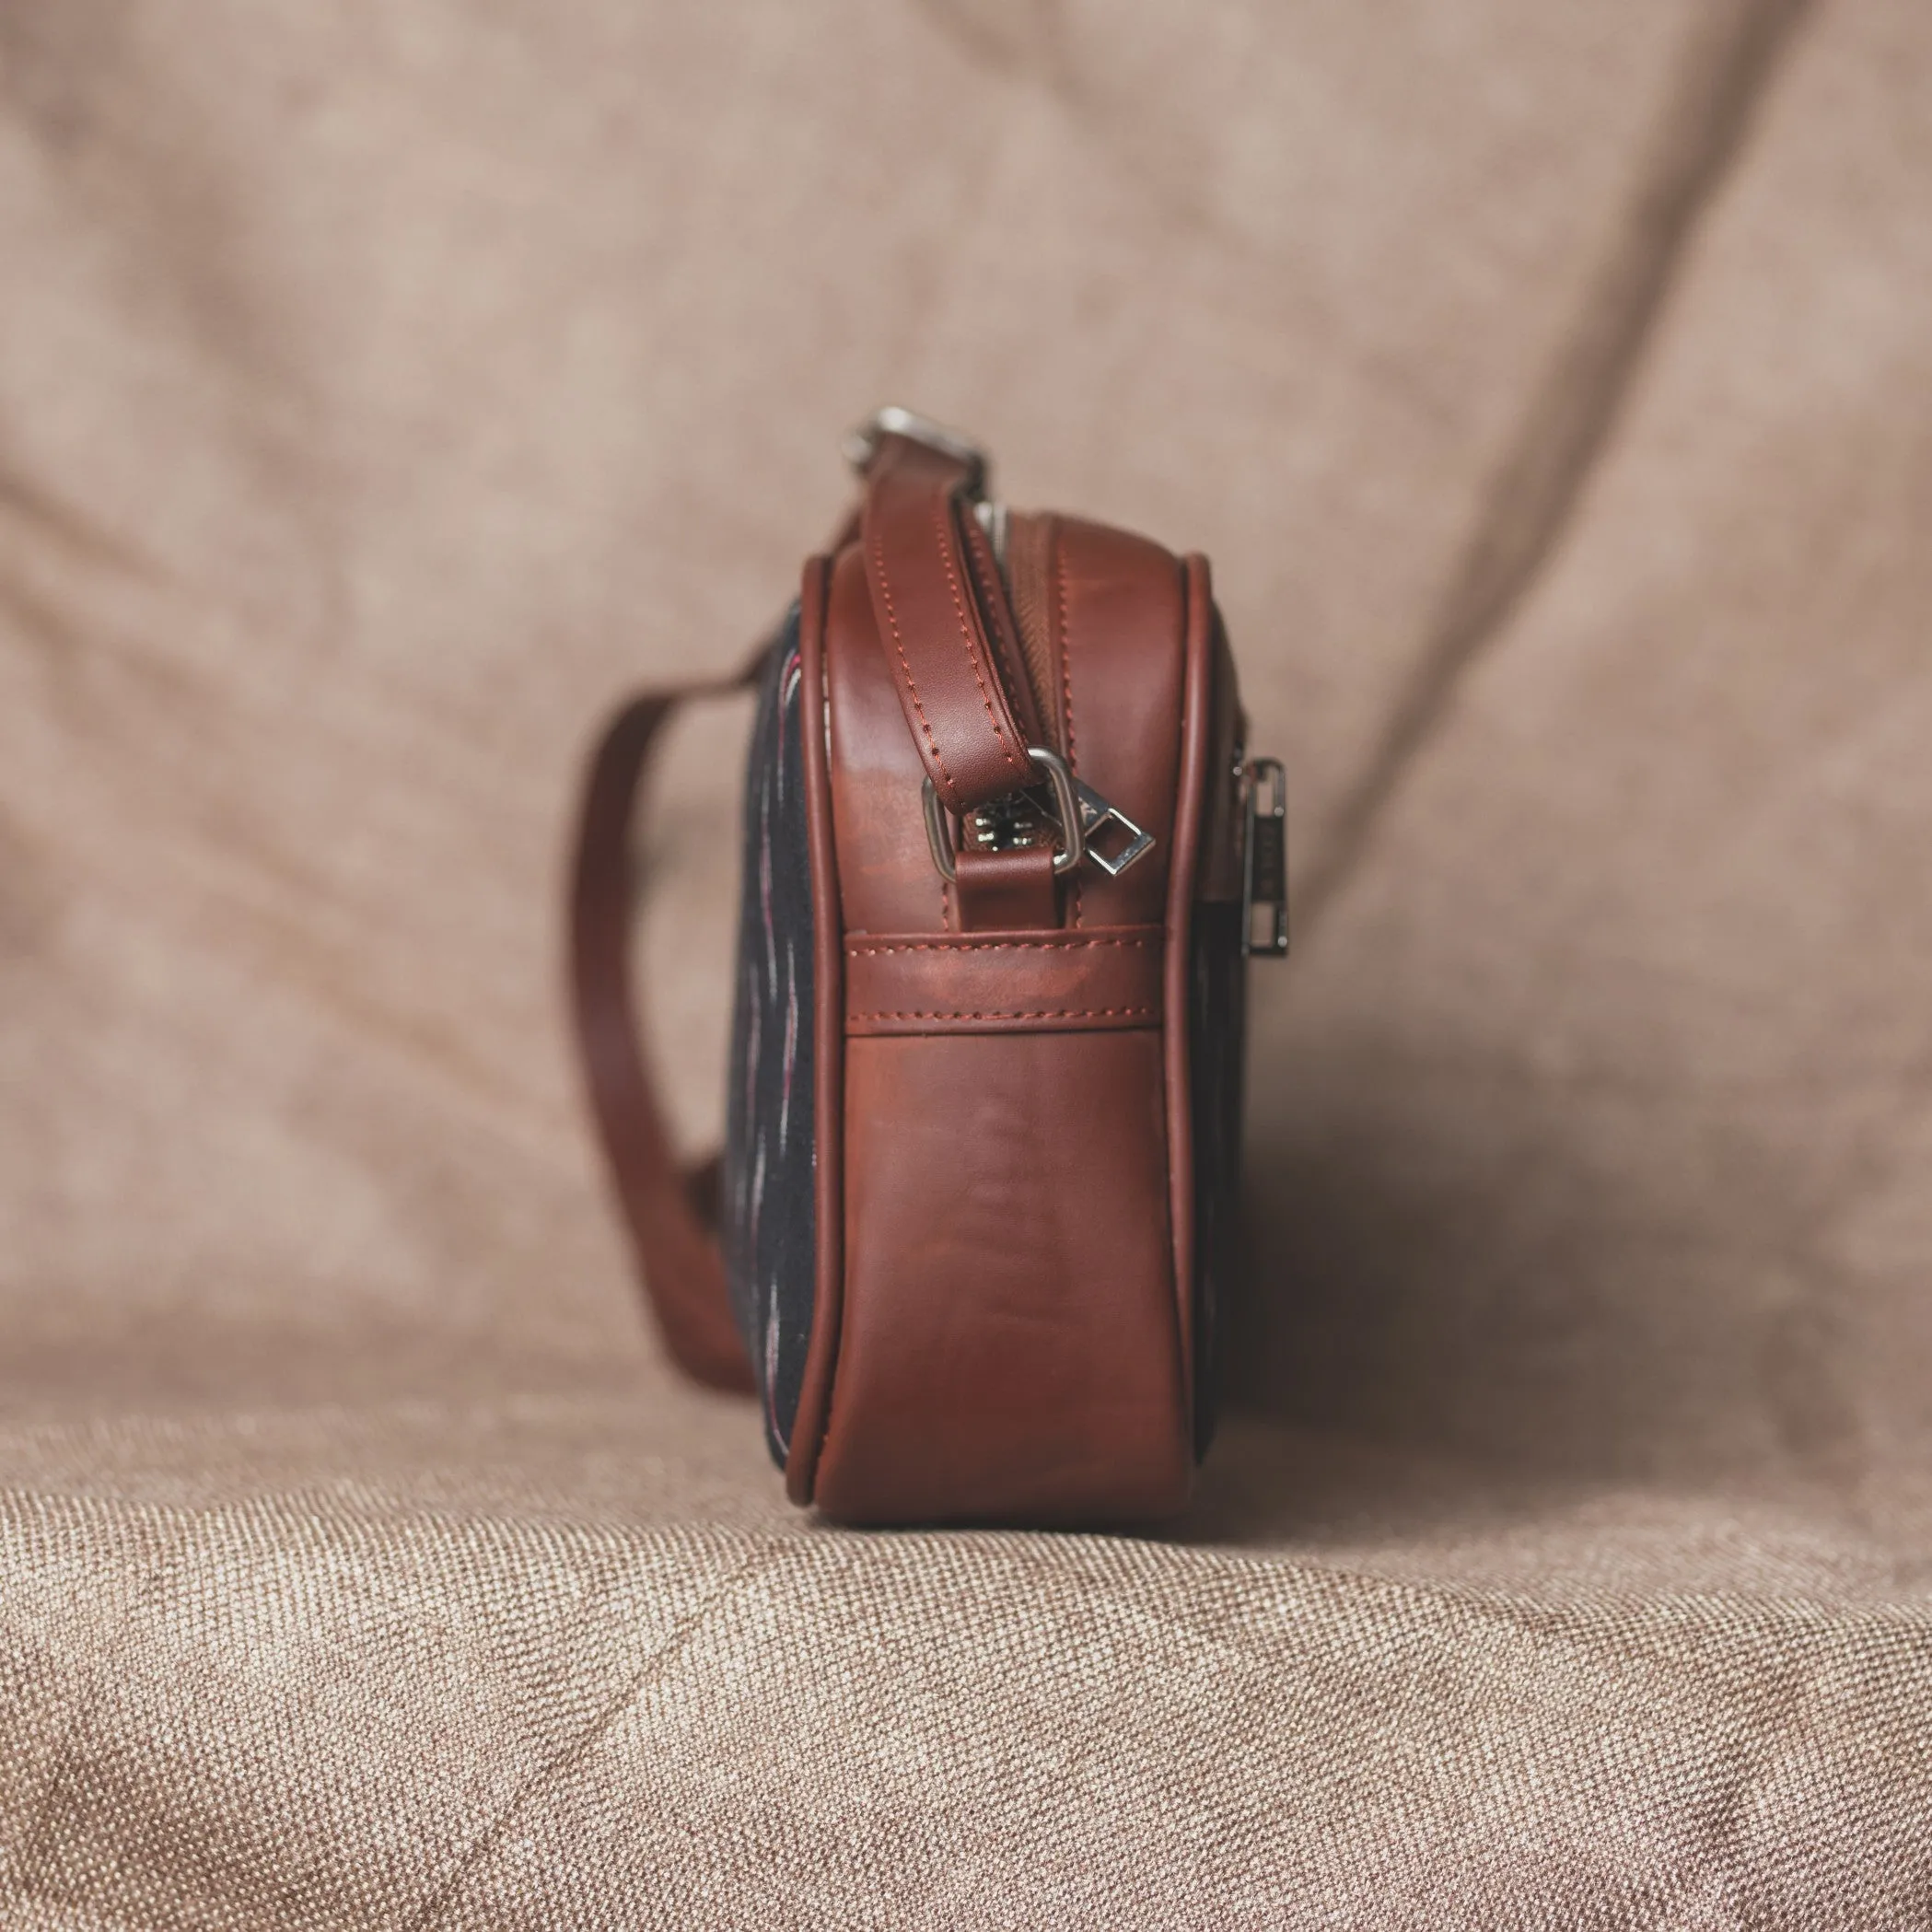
(671, 1212)
(943, 666)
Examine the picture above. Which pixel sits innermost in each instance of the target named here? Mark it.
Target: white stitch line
(1066, 683)
(1063, 1013)
(966, 945)
(885, 592)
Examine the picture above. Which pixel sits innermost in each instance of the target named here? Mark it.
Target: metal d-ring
(861, 444)
(1066, 809)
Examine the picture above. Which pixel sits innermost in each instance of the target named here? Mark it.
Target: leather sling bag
(1006, 858)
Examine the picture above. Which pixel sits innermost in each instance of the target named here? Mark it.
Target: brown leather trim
(1197, 716)
(1003, 983)
(828, 1049)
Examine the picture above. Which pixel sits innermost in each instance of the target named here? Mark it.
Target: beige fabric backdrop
(384, 390)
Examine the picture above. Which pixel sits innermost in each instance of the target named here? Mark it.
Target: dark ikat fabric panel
(1217, 1020)
(768, 1200)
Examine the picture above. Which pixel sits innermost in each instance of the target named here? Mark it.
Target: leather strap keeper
(1005, 983)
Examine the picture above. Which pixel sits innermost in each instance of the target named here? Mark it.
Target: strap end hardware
(861, 444)
(1066, 809)
(1080, 812)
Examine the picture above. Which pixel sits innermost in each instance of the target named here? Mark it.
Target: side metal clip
(1265, 870)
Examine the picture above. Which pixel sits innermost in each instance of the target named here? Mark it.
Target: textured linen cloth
(384, 390)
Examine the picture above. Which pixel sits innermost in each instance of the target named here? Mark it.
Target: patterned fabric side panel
(1218, 1027)
(768, 1197)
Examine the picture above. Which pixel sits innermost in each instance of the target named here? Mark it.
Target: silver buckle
(1264, 867)
(861, 444)
(1066, 809)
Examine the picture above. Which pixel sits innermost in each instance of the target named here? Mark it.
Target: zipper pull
(1097, 812)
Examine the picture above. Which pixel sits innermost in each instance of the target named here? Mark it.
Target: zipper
(1028, 565)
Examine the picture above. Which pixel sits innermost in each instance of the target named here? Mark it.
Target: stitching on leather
(999, 944)
(885, 592)
(972, 649)
(1067, 665)
(1066, 678)
(1062, 1013)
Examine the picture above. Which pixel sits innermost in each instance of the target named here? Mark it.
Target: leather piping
(1196, 734)
(814, 1409)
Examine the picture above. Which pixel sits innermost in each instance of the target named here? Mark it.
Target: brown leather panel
(828, 1048)
(1009, 982)
(1008, 1348)
(944, 669)
(887, 882)
(1005, 892)
(1120, 621)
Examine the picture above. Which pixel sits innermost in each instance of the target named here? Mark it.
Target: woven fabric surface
(383, 391)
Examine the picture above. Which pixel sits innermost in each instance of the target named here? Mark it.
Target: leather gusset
(1012, 1301)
